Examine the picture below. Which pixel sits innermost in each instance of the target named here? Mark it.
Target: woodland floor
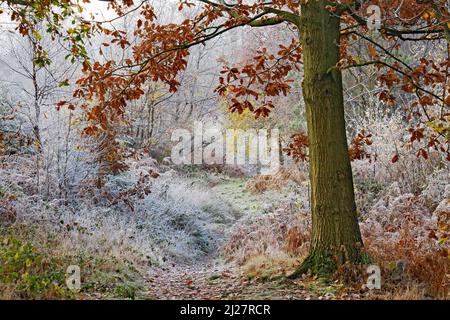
(213, 279)
(201, 236)
(205, 282)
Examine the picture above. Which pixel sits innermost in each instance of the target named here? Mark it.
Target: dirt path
(213, 283)
(210, 279)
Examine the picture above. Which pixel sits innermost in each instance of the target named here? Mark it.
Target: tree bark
(37, 97)
(336, 237)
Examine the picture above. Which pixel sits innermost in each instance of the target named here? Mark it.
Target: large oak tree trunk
(336, 237)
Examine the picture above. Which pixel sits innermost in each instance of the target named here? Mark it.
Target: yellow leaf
(428, 14)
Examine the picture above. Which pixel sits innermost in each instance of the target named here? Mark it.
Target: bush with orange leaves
(404, 243)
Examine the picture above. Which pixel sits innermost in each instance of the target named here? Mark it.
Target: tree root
(325, 264)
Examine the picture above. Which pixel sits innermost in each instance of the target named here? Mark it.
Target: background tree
(38, 85)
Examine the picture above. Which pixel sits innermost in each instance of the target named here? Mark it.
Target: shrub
(32, 273)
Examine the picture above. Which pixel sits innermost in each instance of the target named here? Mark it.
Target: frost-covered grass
(176, 222)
